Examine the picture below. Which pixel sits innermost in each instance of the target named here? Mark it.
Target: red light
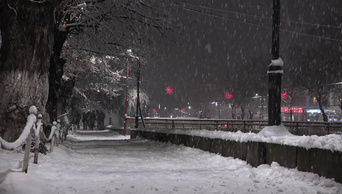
(154, 110)
(183, 110)
(294, 110)
(228, 95)
(169, 90)
(283, 95)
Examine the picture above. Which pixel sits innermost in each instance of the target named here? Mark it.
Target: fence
(33, 129)
(295, 127)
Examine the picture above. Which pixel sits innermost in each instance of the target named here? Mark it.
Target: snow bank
(91, 138)
(270, 134)
(271, 131)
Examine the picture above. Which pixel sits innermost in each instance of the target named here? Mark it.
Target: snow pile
(94, 137)
(270, 134)
(331, 142)
(278, 131)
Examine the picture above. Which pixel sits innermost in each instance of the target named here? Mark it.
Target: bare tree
(316, 69)
(337, 93)
(244, 81)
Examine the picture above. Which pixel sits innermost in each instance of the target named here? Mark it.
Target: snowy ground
(141, 166)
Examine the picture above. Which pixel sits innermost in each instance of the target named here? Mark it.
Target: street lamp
(189, 110)
(262, 99)
(130, 54)
(138, 96)
(275, 70)
(126, 101)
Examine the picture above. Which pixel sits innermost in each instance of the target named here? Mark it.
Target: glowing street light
(262, 99)
(169, 90)
(130, 54)
(228, 95)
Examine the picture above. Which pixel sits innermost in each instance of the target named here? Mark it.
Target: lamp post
(261, 98)
(130, 54)
(262, 107)
(138, 97)
(126, 101)
(275, 71)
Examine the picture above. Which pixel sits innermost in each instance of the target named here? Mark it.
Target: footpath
(94, 139)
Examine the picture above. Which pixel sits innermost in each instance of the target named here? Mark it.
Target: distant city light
(169, 90)
(154, 110)
(283, 95)
(313, 111)
(314, 99)
(228, 95)
(294, 110)
(183, 110)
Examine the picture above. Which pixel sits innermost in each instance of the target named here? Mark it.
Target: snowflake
(169, 90)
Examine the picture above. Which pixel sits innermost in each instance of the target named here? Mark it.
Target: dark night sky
(224, 34)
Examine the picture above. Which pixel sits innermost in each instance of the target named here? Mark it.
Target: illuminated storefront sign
(313, 111)
(294, 110)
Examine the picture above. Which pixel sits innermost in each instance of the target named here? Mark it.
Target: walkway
(141, 166)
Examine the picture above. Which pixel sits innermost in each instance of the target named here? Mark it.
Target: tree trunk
(55, 79)
(27, 40)
(233, 112)
(325, 117)
(242, 112)
(251, 115)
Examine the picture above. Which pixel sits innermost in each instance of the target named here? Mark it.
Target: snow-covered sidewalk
(142, 166)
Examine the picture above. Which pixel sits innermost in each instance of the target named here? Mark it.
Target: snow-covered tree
(102, 27)
(34, 34)
(132, 100)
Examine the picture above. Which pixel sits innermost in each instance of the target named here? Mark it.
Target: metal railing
(295, 127)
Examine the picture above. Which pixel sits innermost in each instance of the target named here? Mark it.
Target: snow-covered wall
(258, 150)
